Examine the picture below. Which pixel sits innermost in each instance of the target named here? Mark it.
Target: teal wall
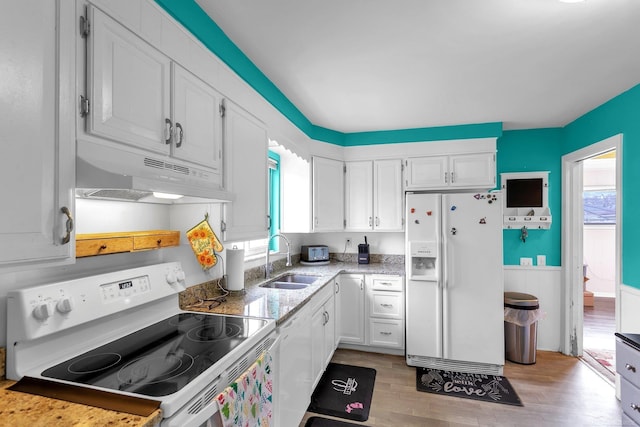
(531, 151)
(518, 151)
(619, 115)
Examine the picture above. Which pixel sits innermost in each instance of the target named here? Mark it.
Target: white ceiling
(366, 65)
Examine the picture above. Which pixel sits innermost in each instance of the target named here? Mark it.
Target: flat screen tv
(525, 193)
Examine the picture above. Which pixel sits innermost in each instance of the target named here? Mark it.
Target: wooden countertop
(23, 409)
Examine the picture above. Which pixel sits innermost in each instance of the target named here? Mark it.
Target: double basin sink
(291, 281)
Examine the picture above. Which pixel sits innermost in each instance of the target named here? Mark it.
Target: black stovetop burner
(160, 359)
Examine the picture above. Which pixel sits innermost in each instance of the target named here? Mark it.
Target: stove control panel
(47, 309)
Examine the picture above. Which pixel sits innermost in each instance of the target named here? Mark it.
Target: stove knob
(171, 278)
(65, 305)
(180, 276)
(43, 311)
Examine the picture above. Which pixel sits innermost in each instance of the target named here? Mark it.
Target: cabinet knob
(630, 367)
(103, 247)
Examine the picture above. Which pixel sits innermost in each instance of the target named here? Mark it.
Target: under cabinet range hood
(109, 173)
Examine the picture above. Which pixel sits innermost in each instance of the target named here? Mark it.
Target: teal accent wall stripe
(194, 19)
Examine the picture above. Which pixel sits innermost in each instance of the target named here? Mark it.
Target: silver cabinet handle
(635, 407)
(377, 222)
(453, 177)
(361, 285)
(630, 367)
(387, 305)
(337, 288)
(180, 134)
(386, 283)
(385, 333)
(167, 122)
(69, 224)
(370, 223)
(446, 176)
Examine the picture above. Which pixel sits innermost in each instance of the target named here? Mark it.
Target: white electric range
(123, 332)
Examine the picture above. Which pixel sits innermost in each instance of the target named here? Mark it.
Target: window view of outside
(599, 206)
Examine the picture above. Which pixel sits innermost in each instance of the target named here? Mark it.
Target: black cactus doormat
(487, 388)
(344, 391)
(326, 422)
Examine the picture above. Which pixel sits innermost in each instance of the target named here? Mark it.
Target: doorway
(573, 236)
(599, 232)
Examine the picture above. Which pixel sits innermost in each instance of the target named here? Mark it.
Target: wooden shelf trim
(128, 241)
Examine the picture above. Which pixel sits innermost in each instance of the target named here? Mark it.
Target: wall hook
(524, 234)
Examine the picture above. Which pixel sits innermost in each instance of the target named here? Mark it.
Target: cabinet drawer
(630, 399)
(103, 246)
(386, 283)
(628, 362)
(386, 304)
(153, 241)
(386, 333)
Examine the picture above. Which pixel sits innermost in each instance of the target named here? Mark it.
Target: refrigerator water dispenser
(424, 257)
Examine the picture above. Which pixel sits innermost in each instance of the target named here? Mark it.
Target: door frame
(572, 240)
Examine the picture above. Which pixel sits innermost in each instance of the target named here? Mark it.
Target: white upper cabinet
(139, 97)
(38, 141)
(197, 120)
(129, 87)
(373, 195)
(476, 170)
(245, 154)
(328, 194)
(358, 194)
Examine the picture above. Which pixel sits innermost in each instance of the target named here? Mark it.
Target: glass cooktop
(162, 358)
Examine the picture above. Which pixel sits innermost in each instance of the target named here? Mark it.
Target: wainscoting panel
(545, 283)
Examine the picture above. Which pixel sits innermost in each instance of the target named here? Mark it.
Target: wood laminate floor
(598, 336)
(556, 391)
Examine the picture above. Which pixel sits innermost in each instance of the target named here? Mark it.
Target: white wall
(545, 283)
(599, 253)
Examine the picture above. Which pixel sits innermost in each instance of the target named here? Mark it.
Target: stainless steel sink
(290, 281)
(284, 285)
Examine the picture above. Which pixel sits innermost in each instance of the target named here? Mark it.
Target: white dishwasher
(293, 386)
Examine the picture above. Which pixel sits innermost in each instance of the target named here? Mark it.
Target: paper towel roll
(235, 269)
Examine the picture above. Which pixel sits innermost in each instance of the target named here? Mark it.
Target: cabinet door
(388, 196)
(427, 172)
(473, 170)
(329, 331)
(358, 195)
(318, 320)
(351, 308)
(38, 141)
(129, 84)
(245, 171)
(328, 194)
(197, 121)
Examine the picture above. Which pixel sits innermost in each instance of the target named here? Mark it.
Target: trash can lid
(519, 299)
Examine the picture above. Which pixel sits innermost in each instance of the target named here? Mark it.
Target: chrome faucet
(267, 269)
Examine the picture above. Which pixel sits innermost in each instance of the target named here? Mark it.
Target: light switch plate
(526, 261)
(542, 260)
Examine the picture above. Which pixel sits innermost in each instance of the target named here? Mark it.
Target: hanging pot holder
(204, 243)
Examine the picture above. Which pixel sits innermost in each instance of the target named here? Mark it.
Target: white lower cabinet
(322, 332)
(385, 299)
(351, 294)
(371, 314)
(294, 375)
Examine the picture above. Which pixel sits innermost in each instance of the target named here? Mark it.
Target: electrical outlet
(526, 261)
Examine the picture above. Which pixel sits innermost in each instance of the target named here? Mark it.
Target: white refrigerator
(454, 293)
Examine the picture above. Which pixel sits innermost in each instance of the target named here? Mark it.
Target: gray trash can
(522, 312)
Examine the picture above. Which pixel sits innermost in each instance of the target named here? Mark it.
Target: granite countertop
(23, 409)
(281, 304)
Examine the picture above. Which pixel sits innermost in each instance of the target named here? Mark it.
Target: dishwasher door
(294, 377)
